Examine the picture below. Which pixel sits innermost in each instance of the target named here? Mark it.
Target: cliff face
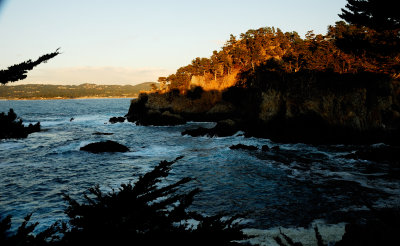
(355, 109)
(161, 109)
(363, 107)
(317, 108)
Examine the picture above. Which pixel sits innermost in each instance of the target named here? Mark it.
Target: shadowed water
(291, 186)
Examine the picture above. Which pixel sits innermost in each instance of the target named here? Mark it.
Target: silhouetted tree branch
(18, 71)
(376, 14)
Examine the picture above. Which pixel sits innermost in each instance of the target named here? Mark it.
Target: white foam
(10, 145)
(156, 150)
(52, 123)
(330, 233)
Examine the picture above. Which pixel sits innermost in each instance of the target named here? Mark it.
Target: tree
(146, 213)
(376, 14)
(163, 82)
(19, 71)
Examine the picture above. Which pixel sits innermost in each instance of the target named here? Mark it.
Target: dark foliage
(145, 213)
(382, 229)
(11, 127)
(24, 235)
(195, 93)
(19, 71)
(376, 14)
(148, 212)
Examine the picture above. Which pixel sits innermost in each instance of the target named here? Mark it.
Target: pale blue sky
(129, 41)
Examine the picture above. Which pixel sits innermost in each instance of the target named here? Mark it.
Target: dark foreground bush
(145, 213)
(10, 127)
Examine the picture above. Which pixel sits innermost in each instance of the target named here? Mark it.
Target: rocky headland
(310, 107)
(12, 127)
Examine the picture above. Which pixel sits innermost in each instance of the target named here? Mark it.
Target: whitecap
(330, 233)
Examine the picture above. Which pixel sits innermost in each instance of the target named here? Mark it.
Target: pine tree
(376, 14)
(18, 71)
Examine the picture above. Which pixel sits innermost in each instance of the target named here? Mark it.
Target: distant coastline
(64, 98)
(83, 91)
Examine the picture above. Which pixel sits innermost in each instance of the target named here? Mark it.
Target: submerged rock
(102, 133)
(243, 146)
(106, 146)
(114, 120)
(265, 148)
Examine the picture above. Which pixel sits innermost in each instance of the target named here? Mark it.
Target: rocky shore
(310, 107)
(12, 127)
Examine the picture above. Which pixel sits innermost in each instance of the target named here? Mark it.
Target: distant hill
(39, 91)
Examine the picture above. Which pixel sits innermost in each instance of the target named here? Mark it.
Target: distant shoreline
(63, 92)
(60, 98)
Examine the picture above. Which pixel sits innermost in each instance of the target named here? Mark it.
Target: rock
(155, 118)
(225, 128)
(107, 146)
(11, 127)
(169, 118)
(114, 120)
(390, 154)
(243, 146)
(275, 148)
(221, 110)
(102, 133)
(265, 148)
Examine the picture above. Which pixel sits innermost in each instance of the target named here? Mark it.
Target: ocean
(293, 186)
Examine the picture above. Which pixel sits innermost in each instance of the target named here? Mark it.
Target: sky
(134, 41)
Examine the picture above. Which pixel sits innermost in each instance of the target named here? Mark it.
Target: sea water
(290, 187)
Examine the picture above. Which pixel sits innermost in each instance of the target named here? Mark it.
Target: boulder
(106, 146)
(265, 148)
(114, 120)
(243, 146)
(226, 128)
